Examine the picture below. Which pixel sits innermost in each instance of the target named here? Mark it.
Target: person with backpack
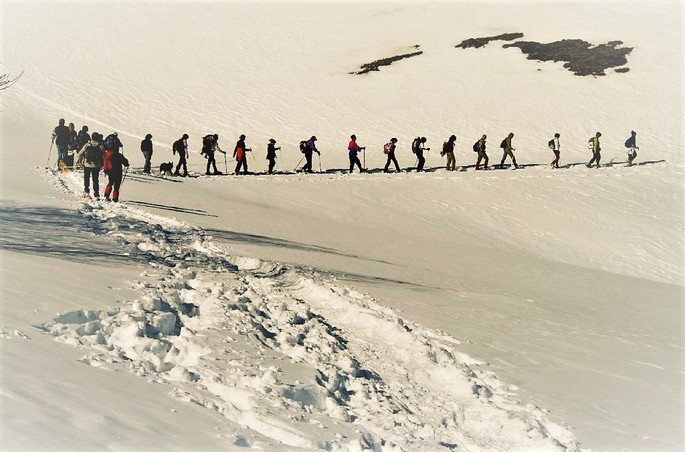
(180, 146)
(82, 138)
(448, 150)
(68, 159)
(389, 150)
(596, 150)
(115, 173)
(112, 142)
(210, 145)
(309, 149)
(61, 137)
(508, 151)
(417, 147)
(553, 144)
(352, 150)
(631, 144)
(271, 154)
(91, 157)
(146, 149)
(240, 155)
(479, 147)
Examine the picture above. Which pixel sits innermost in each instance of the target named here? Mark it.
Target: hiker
(82, 138)
(389, 150)
(146, 149)
(448, 150)
(553, 144)
(508, 151)
(479, 147)
(418, 148)
(61, 138)
(115, 171)
(180, 146)
(91, 157)
(631, 144)
(596, 149)
(240, 155)
(71, 146)
(353, 149)
(271, 154)
(210, 144)
(309, 149)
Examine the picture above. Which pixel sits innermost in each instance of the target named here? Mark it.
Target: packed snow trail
(288, 356)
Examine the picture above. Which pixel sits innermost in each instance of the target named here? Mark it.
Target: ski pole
(123, 178)
(47, 165)
(298, 164)
(225, 164)
(364, 157)
(319, 162)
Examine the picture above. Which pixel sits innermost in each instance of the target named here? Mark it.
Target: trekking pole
(123, 178)
(225, 164)
(319, 162)
(298, 164)
(364, 157)
(47, 165)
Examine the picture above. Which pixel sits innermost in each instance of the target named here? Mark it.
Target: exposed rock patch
(375, 65)
(481, 42)
(580, 56)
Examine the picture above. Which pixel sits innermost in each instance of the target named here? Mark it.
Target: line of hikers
(67, 140)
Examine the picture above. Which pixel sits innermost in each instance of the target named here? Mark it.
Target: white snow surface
(535, 309)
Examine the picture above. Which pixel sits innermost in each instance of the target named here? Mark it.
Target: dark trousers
(182, 163)
(93, 173)
(510, 153)
(555, 162)
(308, 165)
(211, 163)
(354, 160)
(596, 157)
(392, 159)
(422, 160)
(272, 163)
(148, 158)
(482, 156)
(631, 156)
(241, 163)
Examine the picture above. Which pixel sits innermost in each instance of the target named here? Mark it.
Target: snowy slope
(531, 309)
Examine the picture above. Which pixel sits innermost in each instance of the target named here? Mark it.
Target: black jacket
(146, 146)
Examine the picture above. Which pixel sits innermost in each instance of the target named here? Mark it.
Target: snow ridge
(289, 357)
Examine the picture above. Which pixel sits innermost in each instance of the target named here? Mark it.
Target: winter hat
(148, 136)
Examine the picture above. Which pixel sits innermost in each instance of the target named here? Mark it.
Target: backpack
(92, 154)
(476, 147)
(415, 145)
(503, 144)
(445, 148)
(387, 148)
(112, 142)
(629, 143)
(550, 144)
(207, 142)
(107, 161)
(177, 147)
(303, 146)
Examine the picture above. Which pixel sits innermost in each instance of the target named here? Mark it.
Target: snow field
(197, 327)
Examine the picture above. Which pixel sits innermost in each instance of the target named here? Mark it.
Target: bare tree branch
(6, 82)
